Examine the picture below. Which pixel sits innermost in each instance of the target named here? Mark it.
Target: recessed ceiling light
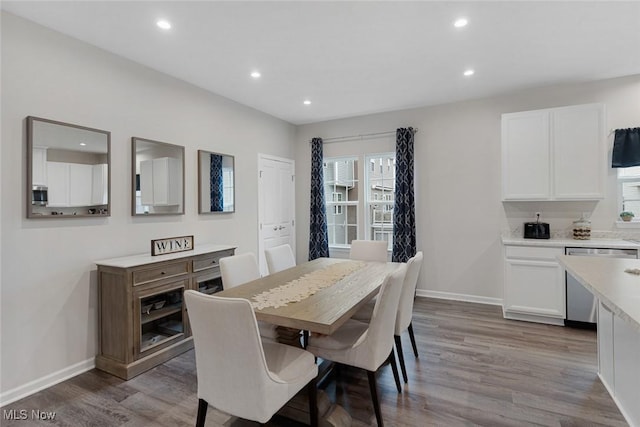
(307, 102)
(83, 144)
(469, 73)
(164, 24)
(256, 74)
(460, 22)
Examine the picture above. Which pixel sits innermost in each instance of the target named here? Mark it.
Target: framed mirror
(157, 178)
(216, 182)
(68, 170)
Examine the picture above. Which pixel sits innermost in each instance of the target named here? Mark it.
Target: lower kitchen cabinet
(605, 346)
(534, 285)
(143, 320)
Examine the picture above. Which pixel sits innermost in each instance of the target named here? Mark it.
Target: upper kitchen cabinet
(554, 154)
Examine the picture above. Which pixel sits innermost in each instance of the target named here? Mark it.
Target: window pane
(633, 171)
(341, 187)
(631, 197)
(380, 187)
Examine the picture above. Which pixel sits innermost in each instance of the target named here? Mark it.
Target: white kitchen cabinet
(161, 181)
(605, 346)
(100, 184)
(69, 184)
(80, 177)
(58, 183)
(554, 154)
(534, 287)
(626, 363)
(525, 155)
(39, 166)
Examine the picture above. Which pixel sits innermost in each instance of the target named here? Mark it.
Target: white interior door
(276, 207)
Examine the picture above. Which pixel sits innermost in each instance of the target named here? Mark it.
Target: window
(629, 189)
(343, 200)
(380, 184)
(341, 193)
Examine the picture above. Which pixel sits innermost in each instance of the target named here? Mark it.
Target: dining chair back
(405, 309)
(238, 269)
(279, 258)
(237, 373)
(368, 250)
(367, 345)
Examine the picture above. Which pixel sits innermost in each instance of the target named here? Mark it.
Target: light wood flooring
(475, 368)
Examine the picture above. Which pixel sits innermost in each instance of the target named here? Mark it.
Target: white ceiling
(355, 58)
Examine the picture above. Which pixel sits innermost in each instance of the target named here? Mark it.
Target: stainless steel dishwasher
(582, 306)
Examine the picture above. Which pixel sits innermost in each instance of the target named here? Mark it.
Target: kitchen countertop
(592, 243)
(607, 280)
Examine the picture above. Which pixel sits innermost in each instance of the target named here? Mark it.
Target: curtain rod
(360, 136)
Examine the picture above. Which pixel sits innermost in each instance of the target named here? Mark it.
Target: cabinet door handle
(280, 228)
(162, 273)
(275, 228)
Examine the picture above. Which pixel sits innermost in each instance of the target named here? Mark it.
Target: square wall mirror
(216, 179)
(157, 178)
(68, 170)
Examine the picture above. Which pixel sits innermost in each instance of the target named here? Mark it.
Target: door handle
(280, 228)
(275, 228)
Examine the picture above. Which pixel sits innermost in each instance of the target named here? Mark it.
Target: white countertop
(592, 243)
(607, 280)
(143, 259)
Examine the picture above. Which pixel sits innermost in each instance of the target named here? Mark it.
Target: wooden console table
(142, 316)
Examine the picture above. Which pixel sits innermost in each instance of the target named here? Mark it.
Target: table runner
(305, 286)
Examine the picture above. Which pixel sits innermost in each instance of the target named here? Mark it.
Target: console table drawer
(211, 261)
(167, 270)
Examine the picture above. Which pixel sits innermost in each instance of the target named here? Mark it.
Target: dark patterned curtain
(404, 216)
(318, 236)
(215, 180)
(626, 148)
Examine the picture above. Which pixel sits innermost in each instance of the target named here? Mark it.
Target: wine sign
(171, 245)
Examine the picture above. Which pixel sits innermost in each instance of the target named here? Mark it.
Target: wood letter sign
(171, 245)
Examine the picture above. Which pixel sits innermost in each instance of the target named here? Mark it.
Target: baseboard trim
(458, 297)
(54, 378)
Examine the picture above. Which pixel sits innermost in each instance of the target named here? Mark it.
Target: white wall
(48, 294)
(459, 213)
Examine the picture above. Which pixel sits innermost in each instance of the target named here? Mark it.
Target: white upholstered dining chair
(367, 345)
(243, 268)
(405, 310)
(279, 258)
(368, 250)
(237, 372)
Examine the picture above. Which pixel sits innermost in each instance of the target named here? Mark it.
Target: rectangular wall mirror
(68, 170)
(216, 179)
(157, 178)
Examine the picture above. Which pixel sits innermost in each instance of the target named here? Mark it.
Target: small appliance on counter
(536, 230)
(39, 195)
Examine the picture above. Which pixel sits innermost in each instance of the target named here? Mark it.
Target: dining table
(318, 297)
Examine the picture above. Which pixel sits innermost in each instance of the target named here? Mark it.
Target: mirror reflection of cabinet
(216, 182)
(68, 170)
(157, 177)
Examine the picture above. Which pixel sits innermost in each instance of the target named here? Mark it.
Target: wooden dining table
(322, 312)
(328, 308)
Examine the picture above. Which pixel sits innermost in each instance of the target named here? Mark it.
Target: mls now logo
(23, 414)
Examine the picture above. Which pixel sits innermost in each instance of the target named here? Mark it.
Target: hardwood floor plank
(475, 368)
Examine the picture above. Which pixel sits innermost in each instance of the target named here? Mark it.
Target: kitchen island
(618, 294)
